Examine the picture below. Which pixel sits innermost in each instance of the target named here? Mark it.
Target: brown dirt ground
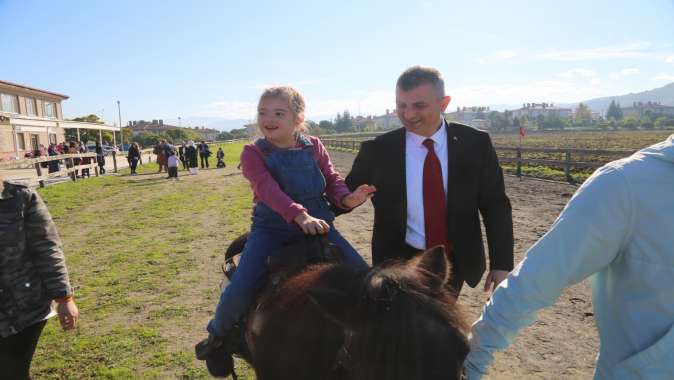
(563, 342)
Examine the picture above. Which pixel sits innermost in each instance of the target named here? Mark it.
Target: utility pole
(121, 128)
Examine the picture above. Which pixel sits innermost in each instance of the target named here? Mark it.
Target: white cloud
(505, 54)
(670, 59)
(595, 82)
(625, 72)
(540, 91)
(664, 78)
(371, 102)
(607, 52)
(585, 73)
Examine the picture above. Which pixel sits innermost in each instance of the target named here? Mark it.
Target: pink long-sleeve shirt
(267, 190)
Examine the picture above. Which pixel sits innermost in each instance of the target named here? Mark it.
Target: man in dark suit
(432, 178)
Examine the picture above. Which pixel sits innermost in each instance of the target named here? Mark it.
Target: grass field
(144, 256)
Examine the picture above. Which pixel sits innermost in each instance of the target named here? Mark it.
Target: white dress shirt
(415, 155)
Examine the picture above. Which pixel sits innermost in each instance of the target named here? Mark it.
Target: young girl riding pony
(291, 175)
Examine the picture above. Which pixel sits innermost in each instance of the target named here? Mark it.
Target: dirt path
(563, 342)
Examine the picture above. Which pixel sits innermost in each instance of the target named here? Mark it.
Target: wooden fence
(69, 169)
(570, 158)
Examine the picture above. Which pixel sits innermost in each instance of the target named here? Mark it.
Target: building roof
(34, 89)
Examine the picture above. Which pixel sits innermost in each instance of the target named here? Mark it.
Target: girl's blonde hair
(292, 96)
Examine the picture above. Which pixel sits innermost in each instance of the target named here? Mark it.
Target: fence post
(567, 167)
(70, 166)
(39, 173)
(39, 169)
(519, 163)
(114, 160)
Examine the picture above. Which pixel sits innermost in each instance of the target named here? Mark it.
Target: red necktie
(435, 209)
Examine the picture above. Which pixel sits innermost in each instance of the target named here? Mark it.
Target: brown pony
(394, 322)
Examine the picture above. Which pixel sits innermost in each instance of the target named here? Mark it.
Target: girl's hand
(311, 225)
(360, 195)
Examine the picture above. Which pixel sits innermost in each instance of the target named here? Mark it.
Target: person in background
(220, 155)
(100, 158)
(134, 157)
(191, 156)
(161, 155)
(42, 152)
(85, 171)
(172, 164)
(181, 154)
(33, 276)
(72, 162)
(53, 151)
(204, 153)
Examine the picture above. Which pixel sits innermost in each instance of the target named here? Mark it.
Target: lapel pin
(456, 138)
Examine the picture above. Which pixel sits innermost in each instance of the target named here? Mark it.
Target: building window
(52, 138)
(9, 103)
(49, 110)
(31, 109)
(34, 143)
(21, 141)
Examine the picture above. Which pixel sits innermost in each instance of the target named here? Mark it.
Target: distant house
(640, 109)
(30, 117)
(533, 110)
(155, 126)
(473, 116)
(389, 120)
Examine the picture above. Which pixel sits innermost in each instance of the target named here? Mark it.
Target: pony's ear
(434, 261)
(335, 304)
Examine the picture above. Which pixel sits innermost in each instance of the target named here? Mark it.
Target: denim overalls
(299, 176)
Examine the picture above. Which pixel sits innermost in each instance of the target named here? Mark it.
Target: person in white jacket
(618, 228)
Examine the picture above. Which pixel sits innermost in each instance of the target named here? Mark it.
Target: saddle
(295, 255)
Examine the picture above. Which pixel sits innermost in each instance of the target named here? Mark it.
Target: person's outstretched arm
(585, 238)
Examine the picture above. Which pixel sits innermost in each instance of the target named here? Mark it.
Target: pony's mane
(405, 326)
(412, 324)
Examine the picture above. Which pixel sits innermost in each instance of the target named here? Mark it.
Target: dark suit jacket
(475, 183)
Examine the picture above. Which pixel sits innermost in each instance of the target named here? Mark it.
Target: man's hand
(360, 195)
(68, 314)
(311, 225)
(493, 279)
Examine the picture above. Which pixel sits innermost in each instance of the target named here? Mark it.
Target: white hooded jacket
(618, 228)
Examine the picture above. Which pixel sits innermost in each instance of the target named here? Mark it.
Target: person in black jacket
(191, 156)
(32, 275)
(133, 155)
(204, 153)
(433, 178)
(100, 158)
(181, 155)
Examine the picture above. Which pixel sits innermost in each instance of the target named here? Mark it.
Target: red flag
(521, 131)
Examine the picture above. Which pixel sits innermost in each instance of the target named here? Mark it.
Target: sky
(208, 61)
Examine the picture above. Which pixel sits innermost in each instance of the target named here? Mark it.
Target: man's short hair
(418, 75)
